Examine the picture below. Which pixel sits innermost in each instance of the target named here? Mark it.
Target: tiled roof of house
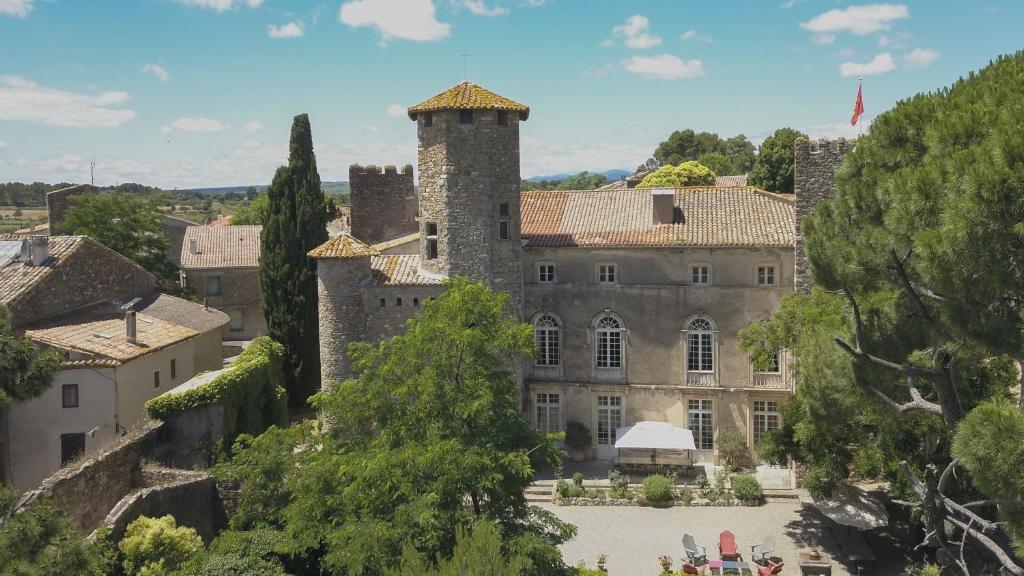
(104, 334)
(467, 95)
(711, 216)
(396, 242)
(16, 278)
(182, 312)
(401, 270)
(342, 246)
(221, 247)
(736, 180)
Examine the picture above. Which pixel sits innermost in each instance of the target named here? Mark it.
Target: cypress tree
(296, 223)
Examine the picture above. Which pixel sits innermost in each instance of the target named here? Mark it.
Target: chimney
(193, 246)
(130, 327)
(35, 250)
(663, 202)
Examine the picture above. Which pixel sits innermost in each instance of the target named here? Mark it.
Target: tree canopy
(731, 155)
(40, 541)
(126, 223)
(255, 211)
(25, 370)
(581, 181)
(921, 250)
(427, 439)
(690, 173)
(296, 222)
(773, 169)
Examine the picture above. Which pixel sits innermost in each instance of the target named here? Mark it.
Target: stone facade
(469, 185)
(383, 204)
(239, 297)
(58, 202)
(814, 179)
(343, 316)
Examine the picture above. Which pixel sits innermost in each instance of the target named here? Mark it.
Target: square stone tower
(469, 187)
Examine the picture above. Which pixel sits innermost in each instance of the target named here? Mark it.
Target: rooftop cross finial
(465, 65)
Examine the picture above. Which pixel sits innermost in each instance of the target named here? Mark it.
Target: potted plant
(577, 440)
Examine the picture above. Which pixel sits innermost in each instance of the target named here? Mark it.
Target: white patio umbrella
(650, 435)
(851, 506)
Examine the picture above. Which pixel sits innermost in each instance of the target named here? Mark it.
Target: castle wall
(58, 202)
(815, 164)
(340, 285)
(383, 203)
(389, 307)
(467, 171)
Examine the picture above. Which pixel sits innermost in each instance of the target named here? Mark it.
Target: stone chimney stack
(193, 246)
(35, 250)
(663, 201)
(131, 328)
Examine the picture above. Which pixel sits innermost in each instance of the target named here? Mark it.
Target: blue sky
(184, 93)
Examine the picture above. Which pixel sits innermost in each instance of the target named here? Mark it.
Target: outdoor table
(728, 566)
(811, 567)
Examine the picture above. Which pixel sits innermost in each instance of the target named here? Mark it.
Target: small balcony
(535, 372)
(769, 381)
(610, 375)
(701, 379)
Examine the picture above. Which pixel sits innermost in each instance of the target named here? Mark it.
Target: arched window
(546, 335)
(609, 343)
(700, 353)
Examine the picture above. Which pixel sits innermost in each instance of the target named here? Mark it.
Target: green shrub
(707, 491)
(747, 489)
(563, 489)
(685, 495)
(577, 480)
(868, 462)
(251, 392)
(928, 570)
(732, 447)
(619, 485)
(657, 489)
(156, 546)
(577, 435)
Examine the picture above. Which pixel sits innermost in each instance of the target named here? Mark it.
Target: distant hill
(611, 175)
(331, 188)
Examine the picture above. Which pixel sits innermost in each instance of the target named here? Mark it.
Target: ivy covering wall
(251, 392)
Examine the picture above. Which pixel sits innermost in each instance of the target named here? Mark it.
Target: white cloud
(396, 19)
(396, 110)
(880, 64)
(221, 5)
(860, 20)
(789, 4)
(17, 8)
(197, 125)
(252, 126)
(480, 8)
(24, 100)
(542, 157)
(157, 71)
(635, 31)
(600, 71)
(695, 36)
(664, 67)
(823, 39)
(289, 30)
(920, 58)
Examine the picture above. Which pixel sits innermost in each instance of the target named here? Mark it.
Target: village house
(122, 343)
(636, 295)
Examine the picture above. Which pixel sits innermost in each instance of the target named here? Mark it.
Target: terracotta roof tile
(712, 216)
(396, 242)
(221, 247)
(16, 278)
(103, 334)
(736, 180)
(401, 270)
(342, 246)
(467, 95)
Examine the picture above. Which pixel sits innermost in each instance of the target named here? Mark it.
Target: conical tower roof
(342, 246)
(469, 96)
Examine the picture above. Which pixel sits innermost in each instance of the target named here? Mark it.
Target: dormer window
(502, 117)
(465, 116)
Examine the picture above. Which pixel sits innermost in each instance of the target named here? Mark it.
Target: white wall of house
(36, 425)
(135, 379)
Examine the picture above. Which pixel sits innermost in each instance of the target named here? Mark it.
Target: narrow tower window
(428, 119)
(504, 230)
(465, 116)
(431, 240)
(502, 117)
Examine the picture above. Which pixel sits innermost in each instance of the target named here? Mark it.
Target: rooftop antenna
(465, 65)
(92, 171)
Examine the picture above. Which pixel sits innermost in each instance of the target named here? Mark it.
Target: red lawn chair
(770, 569)
(727, 546)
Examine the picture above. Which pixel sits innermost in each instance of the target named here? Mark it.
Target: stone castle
(636, 296)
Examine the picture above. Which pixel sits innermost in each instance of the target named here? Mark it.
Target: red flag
(858, 107)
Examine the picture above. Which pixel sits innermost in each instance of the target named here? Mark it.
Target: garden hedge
(250, 391)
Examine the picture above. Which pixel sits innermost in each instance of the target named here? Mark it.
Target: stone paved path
(634, 537)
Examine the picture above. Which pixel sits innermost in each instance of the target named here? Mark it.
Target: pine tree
(296, 223)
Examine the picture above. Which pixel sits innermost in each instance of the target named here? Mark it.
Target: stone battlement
(815, 164)
(371, 169)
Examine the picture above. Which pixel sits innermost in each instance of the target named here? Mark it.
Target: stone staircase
(540, 491)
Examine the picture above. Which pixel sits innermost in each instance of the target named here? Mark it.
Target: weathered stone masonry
(815, 165)
(383, 203)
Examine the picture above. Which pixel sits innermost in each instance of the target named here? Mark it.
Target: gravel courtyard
(634, 537)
